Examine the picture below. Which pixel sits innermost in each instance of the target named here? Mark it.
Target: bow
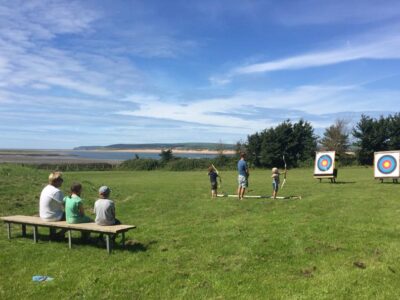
(284, 176)
(220, 180)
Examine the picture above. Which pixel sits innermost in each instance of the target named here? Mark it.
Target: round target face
(387, 164)
(324, 163)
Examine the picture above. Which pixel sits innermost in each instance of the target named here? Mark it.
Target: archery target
(386, 164)
(324, 163)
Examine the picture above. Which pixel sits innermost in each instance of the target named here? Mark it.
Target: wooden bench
(36, 222)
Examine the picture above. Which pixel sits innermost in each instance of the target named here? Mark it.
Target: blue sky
(102, 72)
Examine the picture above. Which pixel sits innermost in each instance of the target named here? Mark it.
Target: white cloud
(30, 58)
(379, 49)
(44, 19)
(247, 111)
(73, 85)
(141, 98)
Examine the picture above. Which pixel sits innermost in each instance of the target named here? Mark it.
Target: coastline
(178, 151)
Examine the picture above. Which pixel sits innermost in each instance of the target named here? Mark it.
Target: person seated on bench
(74, 211)
(51, 204)
(104, 208)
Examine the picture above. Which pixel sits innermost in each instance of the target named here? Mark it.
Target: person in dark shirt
(212, 173)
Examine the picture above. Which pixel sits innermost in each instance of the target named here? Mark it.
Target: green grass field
(189, 246)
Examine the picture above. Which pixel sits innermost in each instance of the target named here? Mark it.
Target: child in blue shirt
(212, 173)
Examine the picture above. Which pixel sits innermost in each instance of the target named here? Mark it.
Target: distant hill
(180, 146)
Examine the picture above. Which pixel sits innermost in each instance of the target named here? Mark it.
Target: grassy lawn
(189, 246)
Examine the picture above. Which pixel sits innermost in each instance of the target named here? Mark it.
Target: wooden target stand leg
(394, 180)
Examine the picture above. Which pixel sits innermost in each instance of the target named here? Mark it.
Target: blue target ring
(387, 164)
(324, 163)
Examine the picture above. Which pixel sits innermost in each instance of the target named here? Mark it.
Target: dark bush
(140, 164)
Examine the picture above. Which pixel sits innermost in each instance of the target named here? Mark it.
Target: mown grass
(189, 246)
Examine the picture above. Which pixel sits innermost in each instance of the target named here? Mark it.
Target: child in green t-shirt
(74, 211)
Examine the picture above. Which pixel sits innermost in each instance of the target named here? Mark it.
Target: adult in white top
(51, 205)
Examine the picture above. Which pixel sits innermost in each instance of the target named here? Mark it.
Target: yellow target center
(324, 163)
(386, 164)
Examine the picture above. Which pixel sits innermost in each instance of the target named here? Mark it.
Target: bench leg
(69, 239)
(23, 229)
(52, 233)
(123, 239)
(109, 243)
(9, 230)
(35, 234)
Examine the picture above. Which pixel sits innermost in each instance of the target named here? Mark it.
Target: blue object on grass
(40, 278)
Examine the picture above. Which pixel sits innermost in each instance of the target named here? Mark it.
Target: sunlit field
(339, 241)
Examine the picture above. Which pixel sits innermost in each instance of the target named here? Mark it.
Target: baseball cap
(104, 190)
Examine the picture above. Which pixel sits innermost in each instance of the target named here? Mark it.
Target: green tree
(304, 143)
(336, 138)
(253, 149)
(394, 132)
(296, 141)
(166, 155)
(371, 135)
(240, 147)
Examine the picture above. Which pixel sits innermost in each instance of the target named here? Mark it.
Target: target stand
(324, 167)
(387, 165)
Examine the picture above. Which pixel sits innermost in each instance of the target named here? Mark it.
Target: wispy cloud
(251, 111)
(375, 45)
(35, 52)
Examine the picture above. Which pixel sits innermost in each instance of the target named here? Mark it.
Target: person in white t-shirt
(51, 205)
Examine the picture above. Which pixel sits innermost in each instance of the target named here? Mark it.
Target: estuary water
(109, 155)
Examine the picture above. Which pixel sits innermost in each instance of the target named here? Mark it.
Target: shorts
(242, 181)
(214, 185)
(275, 186)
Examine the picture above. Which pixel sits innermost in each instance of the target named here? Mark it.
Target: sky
(76, 73)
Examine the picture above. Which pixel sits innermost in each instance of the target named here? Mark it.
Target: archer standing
(243, 170)
(275, 181)
(213, 174)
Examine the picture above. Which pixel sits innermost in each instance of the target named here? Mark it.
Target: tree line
(372, 135)
(297, 142)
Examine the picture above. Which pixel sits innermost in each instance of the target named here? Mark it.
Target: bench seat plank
(93, 227)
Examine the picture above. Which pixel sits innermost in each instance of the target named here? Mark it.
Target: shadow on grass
(94, 241)
(135, 246)
(130, 245)
(338, 182)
